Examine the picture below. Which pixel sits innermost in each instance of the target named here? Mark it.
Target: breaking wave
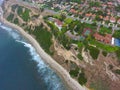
(52, 81)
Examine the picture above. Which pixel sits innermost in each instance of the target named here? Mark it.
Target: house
(109, 3)
(106, 39)
(118, 21)
(93, 15)
(112, 20)
(73, 11)
(87, 31)
(100, 16)
(99, 37)
(106, 18)
(80, 13)
(88, 14)
(58, 23)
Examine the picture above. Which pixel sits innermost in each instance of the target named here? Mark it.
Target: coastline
(69, 82)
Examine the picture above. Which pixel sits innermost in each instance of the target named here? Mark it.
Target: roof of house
(58, 22)
(73, 11)
(106, 18)
(98, 37)
(106, 39)
(118, 21)
(112, 19)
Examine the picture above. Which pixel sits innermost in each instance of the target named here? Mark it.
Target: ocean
(21, 68)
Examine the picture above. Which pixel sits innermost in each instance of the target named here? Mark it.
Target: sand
(69, 82)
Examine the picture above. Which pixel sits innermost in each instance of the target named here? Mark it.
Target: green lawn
(117, 34)
(25, 15)
(68, 20)
(105, 47)
(104, 30)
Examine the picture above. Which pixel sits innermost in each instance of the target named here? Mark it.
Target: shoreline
(61, 72)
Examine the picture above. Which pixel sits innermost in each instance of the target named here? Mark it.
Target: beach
(68, 81)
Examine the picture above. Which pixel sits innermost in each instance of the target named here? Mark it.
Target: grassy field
(23, 14)
(103, 46)
(43, 37)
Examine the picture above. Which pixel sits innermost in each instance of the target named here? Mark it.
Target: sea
(21, 68)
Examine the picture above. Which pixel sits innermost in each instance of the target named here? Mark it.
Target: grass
(44, 38)
(117, 34)
(68, 20)
(103, 46)
(104, 30)
(25, 15)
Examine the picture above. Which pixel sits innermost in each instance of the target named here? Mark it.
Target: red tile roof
(88, 14)
(106, 39)
(58, 22)
(73, 11)
(112, 19)
(106, 18)
(118, 21)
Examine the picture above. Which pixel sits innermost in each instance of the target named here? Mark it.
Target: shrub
(82, 79)
(94, 52)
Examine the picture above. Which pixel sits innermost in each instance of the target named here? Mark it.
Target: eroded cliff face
(101, 74)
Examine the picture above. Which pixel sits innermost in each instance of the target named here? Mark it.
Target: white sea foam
(48, 75)
(11, 32)
(52, 81)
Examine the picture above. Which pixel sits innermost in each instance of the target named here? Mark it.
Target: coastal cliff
(81, 63)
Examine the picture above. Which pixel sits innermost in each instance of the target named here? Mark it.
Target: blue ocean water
(21, 68)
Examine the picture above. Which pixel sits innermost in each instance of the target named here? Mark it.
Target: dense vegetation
(22, 12)
(82, 79)
(117, 34)
(104, 53)
(74, 73)
(104, 30)
(10, 17)
(117, 71)
(94, 52)
(44, 38)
